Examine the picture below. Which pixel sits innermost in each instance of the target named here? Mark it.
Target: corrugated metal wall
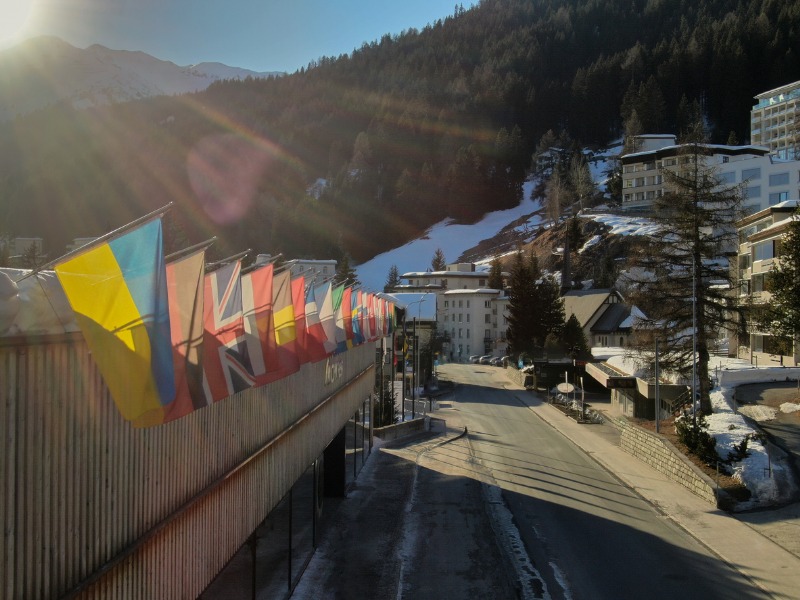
(90, 507)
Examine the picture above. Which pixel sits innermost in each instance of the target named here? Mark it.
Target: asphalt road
(586, 534)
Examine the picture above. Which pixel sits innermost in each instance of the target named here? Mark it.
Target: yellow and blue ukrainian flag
(118, 291)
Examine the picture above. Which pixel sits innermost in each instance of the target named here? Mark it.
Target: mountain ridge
(45, 70)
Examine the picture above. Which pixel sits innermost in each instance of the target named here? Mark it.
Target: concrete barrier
(399, 430)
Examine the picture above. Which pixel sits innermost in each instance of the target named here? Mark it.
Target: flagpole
(225, 261)
(102, 239)
(258, 265)
(189, 250)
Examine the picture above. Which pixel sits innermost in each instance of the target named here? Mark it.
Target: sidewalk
(770, 566)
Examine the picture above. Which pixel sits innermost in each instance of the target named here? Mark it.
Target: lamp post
(414, 352)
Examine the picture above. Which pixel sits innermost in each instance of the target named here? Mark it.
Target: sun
(14, 17)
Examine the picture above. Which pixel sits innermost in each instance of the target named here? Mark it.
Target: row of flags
(170, 338)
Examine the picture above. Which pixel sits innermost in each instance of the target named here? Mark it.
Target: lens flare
(14, 17)
(224, 172)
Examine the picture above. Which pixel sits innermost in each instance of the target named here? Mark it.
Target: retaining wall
(398, 430)
(660, 454)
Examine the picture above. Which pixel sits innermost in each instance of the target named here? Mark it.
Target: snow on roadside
(769, 481)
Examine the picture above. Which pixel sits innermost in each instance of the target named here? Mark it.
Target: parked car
(497, 361)
(484, 360)
(474, 358)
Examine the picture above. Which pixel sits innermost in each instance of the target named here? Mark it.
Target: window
(467, 317)
(777, 197)
(751, 173)
(725, 159)
(487, 333)
(467, 303)
(460, 331)
(744, 261)
(460, 305)
(487, 304)
(764, 250)
(779, 179)
(467, 333)
(460, 315)
(753, 191)
(759, 283)
(447, 303)
(486, 318)
(727, 177)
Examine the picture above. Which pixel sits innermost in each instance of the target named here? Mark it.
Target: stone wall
(660, 454)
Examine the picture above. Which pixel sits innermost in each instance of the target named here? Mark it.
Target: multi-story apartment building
(456, 276)
(775, 121)
(759, 249)
(471, 316)
(470, 321)
(767, 180)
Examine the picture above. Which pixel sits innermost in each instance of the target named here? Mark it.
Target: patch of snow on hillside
(595, 239)
(624, 225)
(789, 407)
(451, 238)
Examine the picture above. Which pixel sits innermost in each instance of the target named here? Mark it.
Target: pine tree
(496, 275)
(522, 309)
(549, 316)
(783, 310)
(676, 276)
(345, 274)
(438, 263)
(574, 338)
(392, 279)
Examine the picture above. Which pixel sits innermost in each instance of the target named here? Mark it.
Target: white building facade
(759, 251)
(775, 121)
(766, 179)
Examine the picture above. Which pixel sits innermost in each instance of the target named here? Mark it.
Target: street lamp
(415, 353)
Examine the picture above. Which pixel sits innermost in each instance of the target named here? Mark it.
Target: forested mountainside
(361, 152)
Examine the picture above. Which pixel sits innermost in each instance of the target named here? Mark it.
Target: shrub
(697, 440)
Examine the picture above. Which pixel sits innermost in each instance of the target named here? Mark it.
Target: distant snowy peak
(46, 70)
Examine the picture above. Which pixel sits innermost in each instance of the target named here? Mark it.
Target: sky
(261, 35)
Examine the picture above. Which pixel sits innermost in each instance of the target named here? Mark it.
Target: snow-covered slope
(452, 238)
(46, 70)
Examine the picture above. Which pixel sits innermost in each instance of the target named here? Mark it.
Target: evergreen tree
(496, 275)
(438, 263)
(574, 338)
(549, 317)
(533, 265)
(345, 274)
(522, 308)
(684, 262)
(783, 310)
(392, 279)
